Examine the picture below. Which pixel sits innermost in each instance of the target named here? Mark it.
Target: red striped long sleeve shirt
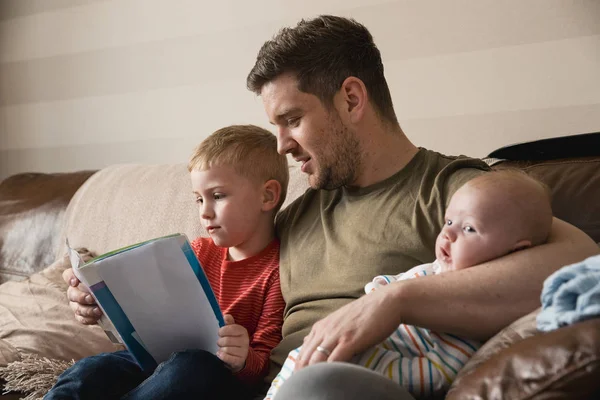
(250, 291)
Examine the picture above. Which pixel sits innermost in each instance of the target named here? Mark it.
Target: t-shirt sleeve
(267, 334)
(459, 178)
(199, 246)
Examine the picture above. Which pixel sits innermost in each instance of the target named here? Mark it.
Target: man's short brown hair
(322, 53)
(250, 150)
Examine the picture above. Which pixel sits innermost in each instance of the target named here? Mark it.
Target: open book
(155, 297)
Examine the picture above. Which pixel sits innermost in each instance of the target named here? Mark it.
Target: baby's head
(239, 180)
(492, 215)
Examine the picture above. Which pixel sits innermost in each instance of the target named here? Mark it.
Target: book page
(161, 296)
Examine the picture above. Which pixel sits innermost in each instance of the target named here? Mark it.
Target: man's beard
(344, 159)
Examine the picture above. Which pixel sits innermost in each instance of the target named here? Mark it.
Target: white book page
(157, 289)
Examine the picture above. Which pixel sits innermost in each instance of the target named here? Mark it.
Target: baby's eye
(469, 229)
(448, 222)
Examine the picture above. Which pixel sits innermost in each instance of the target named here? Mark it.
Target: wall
(88, 83)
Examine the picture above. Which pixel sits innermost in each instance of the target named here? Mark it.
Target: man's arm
(476, 302)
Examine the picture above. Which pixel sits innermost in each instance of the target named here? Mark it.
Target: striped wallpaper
(89, 83)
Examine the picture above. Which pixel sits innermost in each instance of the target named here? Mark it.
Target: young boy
(490, 216)
(239, 182)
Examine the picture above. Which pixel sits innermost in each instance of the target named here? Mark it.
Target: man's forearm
(477, 302)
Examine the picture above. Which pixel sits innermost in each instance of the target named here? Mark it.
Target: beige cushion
(35, 317)
(126, 204)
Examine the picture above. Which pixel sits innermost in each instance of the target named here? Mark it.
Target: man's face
(314, 135)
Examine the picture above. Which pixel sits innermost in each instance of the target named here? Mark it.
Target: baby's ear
(271, 194)
(521, 245)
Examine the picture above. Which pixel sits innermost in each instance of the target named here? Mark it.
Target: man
(375, 206)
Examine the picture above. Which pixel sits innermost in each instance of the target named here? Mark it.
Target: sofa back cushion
(125, 204)
(575, 187)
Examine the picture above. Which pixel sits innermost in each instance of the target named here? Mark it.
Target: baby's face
(474, 231)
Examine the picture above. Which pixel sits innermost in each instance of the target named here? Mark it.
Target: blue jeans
(192, 374)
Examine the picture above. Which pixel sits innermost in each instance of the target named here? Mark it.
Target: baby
(490, 216)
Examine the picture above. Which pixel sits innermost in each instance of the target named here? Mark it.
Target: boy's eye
(469, 229)
(218, 196)
(199, 200)
(448, 222)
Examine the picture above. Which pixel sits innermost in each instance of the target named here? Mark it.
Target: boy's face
(475, 230)
(230, 205)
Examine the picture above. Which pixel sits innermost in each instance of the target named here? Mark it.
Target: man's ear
(271, 194)
(521, 245)
(355, 97)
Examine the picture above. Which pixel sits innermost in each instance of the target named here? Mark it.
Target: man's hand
(233, 343)
(80, 300)
(351, 329)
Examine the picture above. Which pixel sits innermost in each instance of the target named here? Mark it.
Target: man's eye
(469, 229)
(293, 122)
(448, 222)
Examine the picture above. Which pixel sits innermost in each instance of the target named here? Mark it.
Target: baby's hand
(377, 282)
(233, 344)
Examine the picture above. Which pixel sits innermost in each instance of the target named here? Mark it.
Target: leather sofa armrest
(562, 364)
(32, 207)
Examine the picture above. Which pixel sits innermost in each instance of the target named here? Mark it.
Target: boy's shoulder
(202, 243)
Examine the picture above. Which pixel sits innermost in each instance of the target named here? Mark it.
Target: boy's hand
(234, 343)
(80, 300)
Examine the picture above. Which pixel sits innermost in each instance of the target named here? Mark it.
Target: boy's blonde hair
(528, 198)
(250, 150)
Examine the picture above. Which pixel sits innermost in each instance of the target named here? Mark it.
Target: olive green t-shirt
(334, 242)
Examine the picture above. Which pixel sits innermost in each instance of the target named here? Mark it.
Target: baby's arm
(381, 280)
(415, 272)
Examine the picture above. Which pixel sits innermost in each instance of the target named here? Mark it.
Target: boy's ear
(271, 194)
(521, 245)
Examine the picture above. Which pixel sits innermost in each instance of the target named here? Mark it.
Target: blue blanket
(570, 295)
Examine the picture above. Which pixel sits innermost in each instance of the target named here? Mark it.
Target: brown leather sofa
(519, 363)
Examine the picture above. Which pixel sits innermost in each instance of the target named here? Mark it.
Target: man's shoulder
(448, 173)
(452, 163)
(309, 200)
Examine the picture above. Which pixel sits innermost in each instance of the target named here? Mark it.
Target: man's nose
(285, 144)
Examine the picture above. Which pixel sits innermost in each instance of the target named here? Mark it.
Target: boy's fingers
(77, 295)
(229, 356)
(86, 311)
(229, 341)
(228, 319)
(86, 321)
(231, 330)
(69, 277)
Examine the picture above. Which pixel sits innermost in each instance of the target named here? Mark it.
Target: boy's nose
(207, 212)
